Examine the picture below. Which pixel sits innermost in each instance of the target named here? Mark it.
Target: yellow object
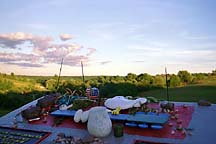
(116, 111)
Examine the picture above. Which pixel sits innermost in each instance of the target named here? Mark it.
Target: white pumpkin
(99, 123)
(77, 116)
(84, 116)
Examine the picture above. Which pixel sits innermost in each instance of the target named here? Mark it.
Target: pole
(167, 86)
(82, 72)
(59, 75)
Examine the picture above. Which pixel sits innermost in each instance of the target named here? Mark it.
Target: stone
(77, 116)
(204, 103)
(99, 123)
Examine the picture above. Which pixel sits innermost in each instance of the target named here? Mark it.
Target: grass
(4, 112)
(191, 93)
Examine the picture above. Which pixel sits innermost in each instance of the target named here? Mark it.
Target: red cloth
(184, 115)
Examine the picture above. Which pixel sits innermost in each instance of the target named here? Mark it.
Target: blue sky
(112, 37)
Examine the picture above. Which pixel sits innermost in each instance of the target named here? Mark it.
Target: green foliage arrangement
(82, 104)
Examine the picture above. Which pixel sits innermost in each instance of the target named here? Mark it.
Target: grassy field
(204, 89)
(191, 93)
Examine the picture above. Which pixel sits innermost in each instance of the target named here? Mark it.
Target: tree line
(109, 86)
(131, 84)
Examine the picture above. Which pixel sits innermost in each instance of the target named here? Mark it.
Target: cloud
(13, 57)
(26, 64)
(76, 60)
(56, 50)
(65, 37)
(91, 51)
(41, 44)
(43, 50)
(139, 61)
(105, 62)
(12, 40)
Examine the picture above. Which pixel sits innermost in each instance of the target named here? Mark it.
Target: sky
(110, 37)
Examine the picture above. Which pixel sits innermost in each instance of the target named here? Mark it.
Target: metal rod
(59, 75)
(82, 72)
(167, 86)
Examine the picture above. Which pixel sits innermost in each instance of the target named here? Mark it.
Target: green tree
(101, 79)
(185, 76)
(114, 89)
(158, 81)
(145, 79)
(175, 81)
(12, 74)
(117, 79)
(131, 77)
(214, 72)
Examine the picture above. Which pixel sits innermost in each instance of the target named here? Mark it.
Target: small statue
(167, 107)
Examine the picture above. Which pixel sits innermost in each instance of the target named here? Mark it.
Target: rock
(84, 116)
(61, 135)
(31, 112)
(204, 103)
(99, 123)
(77, 116)
(88, 139)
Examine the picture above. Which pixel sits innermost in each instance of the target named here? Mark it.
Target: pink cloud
(76, 60)
(41, 44)
(91, 51)
(12, 40)
(43, 50)
(65, 37)
(23, 64)
(20, 59)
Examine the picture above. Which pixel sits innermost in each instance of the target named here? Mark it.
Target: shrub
(5, 84)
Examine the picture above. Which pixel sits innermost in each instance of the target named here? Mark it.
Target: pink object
(173, 117)
(170, 124)
(172, 132)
